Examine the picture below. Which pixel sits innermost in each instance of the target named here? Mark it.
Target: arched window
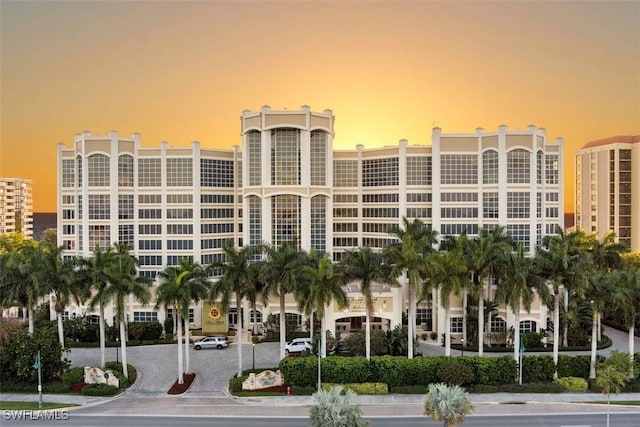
(98, 168)
(490, 167)
(518, 167)
(125, 171)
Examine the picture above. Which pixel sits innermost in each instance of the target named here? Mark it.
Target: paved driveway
(158, 365)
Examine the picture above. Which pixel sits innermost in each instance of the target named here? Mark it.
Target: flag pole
(38, 365)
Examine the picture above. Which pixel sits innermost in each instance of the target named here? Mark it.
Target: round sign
(214, 313)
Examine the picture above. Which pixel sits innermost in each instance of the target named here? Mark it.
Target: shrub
(409, 389)
(455, 372)
(533, 340)
(573, 366)
(303, 391)
(332, 409)
(537, 369)
(99, 390)
(73, 376)
(532, 388)
(360, 388)
(620, 361)
(235, 383)
(494, 370)
(572, 383)
(168, 326)
(144, 331)
(117, 367)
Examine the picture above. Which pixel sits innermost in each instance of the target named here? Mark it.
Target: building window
(528, 326)
(285, 157)
(149, 245)
(346, 227)
(99, 237)
(457, 229)
(145, 316)
(149, 213)
(539, 160)
(552, 212)
(419, 212)
(98, 167)
(318, 157)
(345, 173)
(490, 167)
(173, 260)
(490, 205)
(520, 233)
(285, 214)
(255, 220)
(181, 228)
(255, 316)
(68, 173)
(175, 244)
(79, 161)
(179, 213)
(455, 325)
(551, 169)
(380, 198)
(518, 204)
(99, 206)
(380, 212)
(149, 172)
(418, 170)
(459, 212)
(125, 206)
(150, 260)
(459, 197)
(345, 198)
(191, 314)
(125, 234)
(498, 324)
(459, 169)
(380, 172)
(180, 199)
(418, 197)
(216, 173)
(518, 167)
(424, 317)
(150, 229)
(125, 171)
(254, 154)
(179, 172)
(149, 199)
(233, 315)
(319, 223)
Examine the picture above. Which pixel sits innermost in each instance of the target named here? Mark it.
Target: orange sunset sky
(183, 71)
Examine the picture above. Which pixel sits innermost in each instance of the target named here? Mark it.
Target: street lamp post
(253, 352)
(462, 346)
(117, 340)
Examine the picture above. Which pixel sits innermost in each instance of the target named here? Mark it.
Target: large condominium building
(16, 206)
(288, 184)
(608, 188)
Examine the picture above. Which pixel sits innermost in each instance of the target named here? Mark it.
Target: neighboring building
(608, 188)
(16, 206)
(288, 184)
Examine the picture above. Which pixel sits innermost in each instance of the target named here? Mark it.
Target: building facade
(288, 184)
(608, 188)
(16, 206)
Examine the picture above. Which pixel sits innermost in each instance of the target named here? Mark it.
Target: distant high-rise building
(288, 184)
(608, 188)
(16, 206)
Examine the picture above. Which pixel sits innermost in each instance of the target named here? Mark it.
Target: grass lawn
(621, 402)
(10, 405)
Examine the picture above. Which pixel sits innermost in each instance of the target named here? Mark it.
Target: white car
(211, 342)
(298, 345)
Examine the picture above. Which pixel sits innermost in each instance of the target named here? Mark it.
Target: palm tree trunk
(594, 344)
(283, 327)
(411, 322)
(599, 326)
(30, 314)
(565, 335)
(60, 329)
(239, 333)
(516, 334)
(323, 337)
(556, 332)
(103, 345)
(480, 319)
(447, 332)
(465, 302)
(632, 331)
(367, 333)
(179, 333)
(123, 346)
(311, 326)
(187, 342)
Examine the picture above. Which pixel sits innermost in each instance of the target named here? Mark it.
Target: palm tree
(123, 281)
(484, 254)
(626, 302)
(610, 379)
(236, 281)
(325, 287)
(447, 403)
(449, 272)
(93, 272)
(516, 290)
(195, 287)
(168, 295)
(280, 272)
(332, 409)
(408, 257)
(60, 275)
(365, 266)
(600, 289)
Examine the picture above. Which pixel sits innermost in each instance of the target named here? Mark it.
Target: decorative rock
(98, 376)
(264, 379)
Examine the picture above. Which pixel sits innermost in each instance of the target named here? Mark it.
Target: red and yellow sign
(214, 321)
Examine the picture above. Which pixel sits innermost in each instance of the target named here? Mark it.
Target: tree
(408, 257)
(626, 303)
(484, 254)
(332, 409)
(280, 272)
(93, 271)
(122, 282)
(447, 403)
(325, 287)
(365, 266)
(516, 290)
(610, 379)
(449, 274)
(236, 281)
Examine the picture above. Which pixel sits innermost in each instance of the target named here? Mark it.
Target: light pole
(462, 346)
(253, 352)
(117, 340)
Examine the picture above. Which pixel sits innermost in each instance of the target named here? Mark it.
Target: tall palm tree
(407, 256)
(516, 290)
(365, 266)
(325, 287)
(123, 281)
(484, 255)
(601, 289)
(449, 273)
(447, 403)
(237, 282)
(626, 301)
(168, 295)
(60, 275)
(280, 272)
(93, 272)
(195, 287)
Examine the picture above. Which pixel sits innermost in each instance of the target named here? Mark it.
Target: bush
(360, 388)
(409, 389)
(532, 388)
(537, 369)
(144, 331)
(533, 340)
(99, 390)
(620, 361)
(494, 370)
(455, 372)
(573, 366)
(117, 367)
(73, 376)
(572, 383)
(168, 326)
(235, 383)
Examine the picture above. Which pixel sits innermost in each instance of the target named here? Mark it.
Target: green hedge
(99, 390)
(361, 388)
(572, 383)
